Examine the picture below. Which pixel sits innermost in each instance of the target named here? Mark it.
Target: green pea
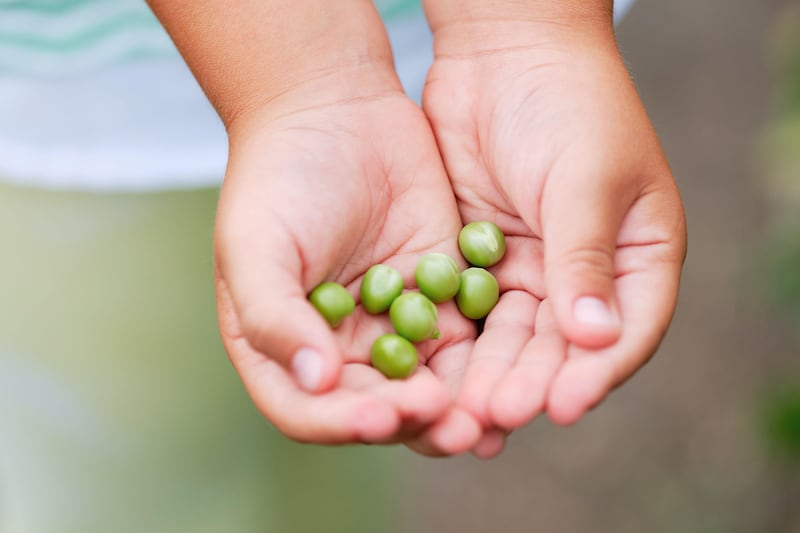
(394, 356)
(478, 294)
(333, 302)
(414, 317)
(437, 277)
(482, 243)
(380, 286)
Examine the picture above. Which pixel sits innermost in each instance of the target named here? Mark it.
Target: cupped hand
(544, 134)
(324, 182)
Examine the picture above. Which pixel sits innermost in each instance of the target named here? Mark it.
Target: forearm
(478, 25)
(249, 52)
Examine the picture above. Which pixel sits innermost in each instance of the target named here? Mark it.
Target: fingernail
(307, 368)
(594, 312)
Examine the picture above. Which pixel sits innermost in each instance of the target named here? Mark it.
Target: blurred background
(120, 413)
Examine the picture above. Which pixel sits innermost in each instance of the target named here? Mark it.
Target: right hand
(542, 131)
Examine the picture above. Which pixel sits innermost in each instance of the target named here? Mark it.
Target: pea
(482, 243)
(333, 302)
(380, 286)
(414, 317)
(394, 356)
(478, 294)
(437, 277)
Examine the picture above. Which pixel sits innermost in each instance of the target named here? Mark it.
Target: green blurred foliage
(786, 61)
(779, 147)
(780, 159)
(781, 416)
(779, 151)
(781, 271)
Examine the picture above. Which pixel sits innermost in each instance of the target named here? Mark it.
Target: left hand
(544, 134)
(336, 175)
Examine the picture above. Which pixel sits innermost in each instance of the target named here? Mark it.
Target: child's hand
(331, 170)
(542, 131)
(322, 187)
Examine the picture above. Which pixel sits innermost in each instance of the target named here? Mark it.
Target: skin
(542, 132)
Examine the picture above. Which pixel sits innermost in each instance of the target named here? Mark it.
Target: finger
(520, 395)
(449, 363)
(647, 298)
(508, 328)
(338, 417)
(260, 273)
(490, 445)
(582, 211)
(449, 353)
(419, 399)
(522, 267)
(455, 433)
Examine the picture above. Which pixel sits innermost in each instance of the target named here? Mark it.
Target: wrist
(320, 92)
(255, 52)
(478, 27)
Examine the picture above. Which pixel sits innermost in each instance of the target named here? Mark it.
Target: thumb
(272, 312)
(581, 217)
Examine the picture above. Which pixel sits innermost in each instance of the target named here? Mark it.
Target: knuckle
(597, 260)
(260, 327)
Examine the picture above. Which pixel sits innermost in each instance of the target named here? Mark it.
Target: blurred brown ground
(678, 448)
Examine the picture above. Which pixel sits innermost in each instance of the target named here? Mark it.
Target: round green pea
(478, 294)
(414, 317)
(437, 277)
(482, 243)
(394, 356)
(380, 286)
(333, 302)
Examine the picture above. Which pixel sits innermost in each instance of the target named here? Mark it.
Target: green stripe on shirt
(89, 37)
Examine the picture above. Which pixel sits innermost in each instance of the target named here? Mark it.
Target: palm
(518, 145)
(325, 193)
